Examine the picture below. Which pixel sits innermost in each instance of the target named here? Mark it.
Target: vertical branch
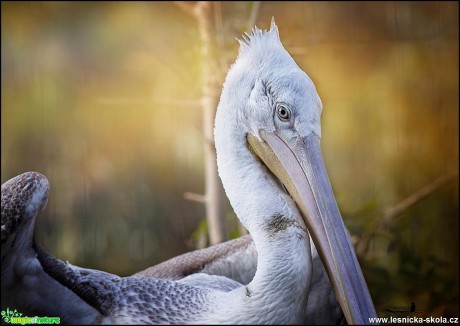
(254, 14)
(201, 11)
(209, 103)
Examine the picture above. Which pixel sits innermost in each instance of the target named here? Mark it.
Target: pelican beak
(299, 165)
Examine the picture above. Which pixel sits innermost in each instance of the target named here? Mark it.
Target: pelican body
(298, 265)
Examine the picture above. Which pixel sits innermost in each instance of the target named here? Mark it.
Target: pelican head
(271, 110)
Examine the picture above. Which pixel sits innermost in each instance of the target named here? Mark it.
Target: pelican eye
(283, 112)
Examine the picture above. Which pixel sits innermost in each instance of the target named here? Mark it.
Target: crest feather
(259, 38)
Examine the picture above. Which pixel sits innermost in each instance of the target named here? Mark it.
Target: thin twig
(393, 212)
(411, 200)
(195, 197)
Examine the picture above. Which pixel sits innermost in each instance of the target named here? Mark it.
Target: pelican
(298, 264)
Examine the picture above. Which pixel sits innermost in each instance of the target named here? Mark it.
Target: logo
(403, 311)
(15, 317)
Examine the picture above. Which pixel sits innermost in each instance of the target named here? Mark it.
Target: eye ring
(284, 114)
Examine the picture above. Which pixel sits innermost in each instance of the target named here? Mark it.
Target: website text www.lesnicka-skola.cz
(414, 320)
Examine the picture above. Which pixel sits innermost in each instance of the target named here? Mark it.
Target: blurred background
(104, 99)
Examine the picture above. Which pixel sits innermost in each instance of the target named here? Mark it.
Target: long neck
(280, 236)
